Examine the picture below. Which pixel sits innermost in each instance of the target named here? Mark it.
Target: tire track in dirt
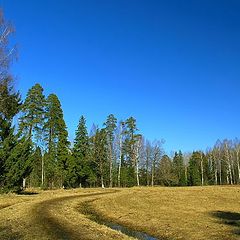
(46, 218)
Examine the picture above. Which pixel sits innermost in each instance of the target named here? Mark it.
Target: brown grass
(51, 215)
(175, 213)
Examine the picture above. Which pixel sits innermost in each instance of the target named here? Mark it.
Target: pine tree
(63, 153)
(33, 111)
(131, 137)
(55, 159)
(110, 126)
(100, 154)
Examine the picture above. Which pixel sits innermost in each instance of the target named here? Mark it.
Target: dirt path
(53, 217)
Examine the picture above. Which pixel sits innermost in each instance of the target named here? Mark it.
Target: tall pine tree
(33, 113)
(55, 159)
(110, 126)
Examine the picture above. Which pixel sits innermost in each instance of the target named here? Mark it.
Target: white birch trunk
(202, 170)
(120, 157)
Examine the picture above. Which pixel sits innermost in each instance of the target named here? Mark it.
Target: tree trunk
(238, 166)
(137, 148)
(229, 167)
(42, 171)
(202, 170)
(110, 166)
(24, 183)
(153, 173)
(220, 172)
(102, 182)
(120, 157)
(147, 169)
(137, 173)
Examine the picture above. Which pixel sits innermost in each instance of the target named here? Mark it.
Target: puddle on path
(89, 211)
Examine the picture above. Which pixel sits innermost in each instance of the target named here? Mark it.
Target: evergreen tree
(9, 103)
(179, 169)
(129, 145)
(35, 178)
(18, 164)
(55, 160)
(100, 154)
(194, 169)
(110, 127)
(9, 107)
(33, 113)
(63, 154)
(80, 164)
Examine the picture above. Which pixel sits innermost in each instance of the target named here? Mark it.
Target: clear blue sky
(173, 65)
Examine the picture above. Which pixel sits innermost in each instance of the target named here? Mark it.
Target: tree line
(36, 151)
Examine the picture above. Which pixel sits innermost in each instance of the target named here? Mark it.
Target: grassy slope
(177, 213)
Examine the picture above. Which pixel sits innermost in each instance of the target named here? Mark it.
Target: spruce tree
(80, 167)
(179, 169)
(194, 171)
(9, 107)
(35, 178)
(18, 164)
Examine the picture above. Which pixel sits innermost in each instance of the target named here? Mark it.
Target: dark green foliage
(194, 169)
(56, 137)
(100, 155)
(33, 113)
(18, 164)
(131, 137)
(79, 168)
(9, 107)
(110, 127)
(35, 178)
(63, 155)
(179, 169)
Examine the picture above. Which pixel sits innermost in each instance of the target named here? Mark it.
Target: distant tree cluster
(37, 152)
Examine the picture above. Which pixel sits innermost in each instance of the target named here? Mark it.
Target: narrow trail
(46, 216)
(53, 216)
(62, 216)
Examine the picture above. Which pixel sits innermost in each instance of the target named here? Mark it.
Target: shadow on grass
(87, 209)
(27, 193)
(229, 218)
(54, 227)
(6, 233)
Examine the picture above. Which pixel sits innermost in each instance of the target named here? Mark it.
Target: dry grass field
(165, 213)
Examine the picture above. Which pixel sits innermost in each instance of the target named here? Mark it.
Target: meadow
(164, 213)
